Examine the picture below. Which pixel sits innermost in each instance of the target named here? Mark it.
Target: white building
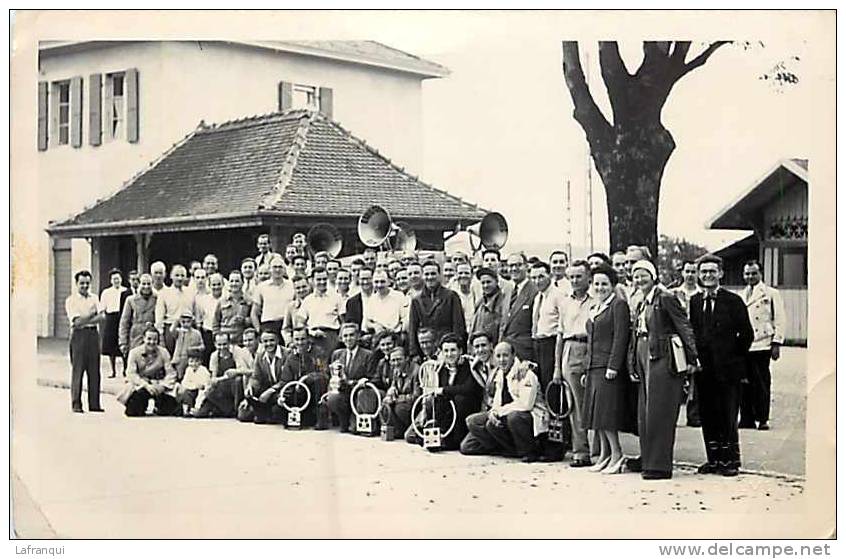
(107, 109)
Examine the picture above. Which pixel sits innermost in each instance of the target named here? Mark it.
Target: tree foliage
(672, 253)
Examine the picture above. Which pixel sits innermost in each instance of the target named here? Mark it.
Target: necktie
(536, 314)
(349, 358)
(513, 295)
(708, 315)
(505, 395)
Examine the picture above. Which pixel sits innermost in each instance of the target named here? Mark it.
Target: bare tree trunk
(632, 173)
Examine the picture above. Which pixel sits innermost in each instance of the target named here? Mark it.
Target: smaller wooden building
(223, 185)
(775, 209)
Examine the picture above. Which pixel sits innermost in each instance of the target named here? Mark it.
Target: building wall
(182, 83)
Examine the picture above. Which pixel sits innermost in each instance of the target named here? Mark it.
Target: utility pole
(568, 221)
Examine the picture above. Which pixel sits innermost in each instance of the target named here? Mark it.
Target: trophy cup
(294, 412)
(564, 409)
(364, 424)
(387, 431)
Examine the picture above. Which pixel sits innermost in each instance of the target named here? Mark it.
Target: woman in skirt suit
(112, 300)
(605, 408)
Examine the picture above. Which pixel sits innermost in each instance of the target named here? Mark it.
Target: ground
(104, 475)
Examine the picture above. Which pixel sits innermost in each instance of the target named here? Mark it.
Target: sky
(499, 132)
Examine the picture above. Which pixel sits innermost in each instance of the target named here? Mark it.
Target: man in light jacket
(766, 314)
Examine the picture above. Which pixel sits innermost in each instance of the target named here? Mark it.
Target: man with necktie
(723, 335)
(516, 326)
(266, 381)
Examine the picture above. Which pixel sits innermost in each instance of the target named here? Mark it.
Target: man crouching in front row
(518, 415)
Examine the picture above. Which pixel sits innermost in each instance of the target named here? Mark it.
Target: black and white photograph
(409, 274)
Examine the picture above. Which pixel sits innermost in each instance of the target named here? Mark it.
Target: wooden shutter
(42, 115)
(76, 111)
(131, 91)
(95, 110)
(53, 117)
(285, 96)
(325, 101)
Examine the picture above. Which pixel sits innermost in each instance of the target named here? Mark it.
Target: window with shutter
(95, 126)
(114, 107)
(284, 95)
(61, 120)
(76, 111)
(42, 115)
(130, 91)
(325, 104)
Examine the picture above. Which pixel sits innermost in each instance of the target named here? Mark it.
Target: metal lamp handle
(414, 423)
(281, 400)
(378, 400)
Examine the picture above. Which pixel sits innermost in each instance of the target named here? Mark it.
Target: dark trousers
(223, 398)
(165, 404)
(755, 395)
(513, 436)
(398, 416)
(169, 338)
(208, 342)
(267, 412)
(272, 326)
(85, 359)
(718, 406)
(658, 408)
(692, 405)
(545, 355)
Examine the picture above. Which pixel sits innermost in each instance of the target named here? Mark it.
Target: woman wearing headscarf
(660, 322)
(608, 330)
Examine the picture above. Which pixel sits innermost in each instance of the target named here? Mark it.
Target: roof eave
(723, 219)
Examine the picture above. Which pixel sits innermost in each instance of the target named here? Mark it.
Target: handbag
(678, 355)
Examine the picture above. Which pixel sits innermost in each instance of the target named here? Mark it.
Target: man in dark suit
(358, 368)
(266, 381)
(436, 307)
(307, 364)
(516, 326)
(723, 335)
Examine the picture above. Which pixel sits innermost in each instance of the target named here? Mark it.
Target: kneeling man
(150, 375)
(266, 381)
(518, 415)
(305, 363)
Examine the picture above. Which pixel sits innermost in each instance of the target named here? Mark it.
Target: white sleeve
(779, 318)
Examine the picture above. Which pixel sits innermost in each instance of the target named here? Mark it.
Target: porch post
(142, 252)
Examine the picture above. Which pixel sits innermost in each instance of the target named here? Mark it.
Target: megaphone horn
(493, 231)
(325, 237)
(374, 226)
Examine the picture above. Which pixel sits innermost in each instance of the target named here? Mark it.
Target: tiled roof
(291, 163)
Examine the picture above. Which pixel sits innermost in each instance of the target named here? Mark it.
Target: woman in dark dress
(605, 408)
(112, 300)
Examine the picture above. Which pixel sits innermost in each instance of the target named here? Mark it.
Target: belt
(642, 334)
(541, 338)
(582, 339)
(85, 328)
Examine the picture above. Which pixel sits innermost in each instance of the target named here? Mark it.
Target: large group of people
(482, 351)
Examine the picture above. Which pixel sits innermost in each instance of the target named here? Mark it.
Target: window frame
(57, 87)
(110, 133)
(311, 91)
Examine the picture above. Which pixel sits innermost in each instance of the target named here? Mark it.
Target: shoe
(728, 471)
(707, 468)
(531, 458)
(601, 465)
(112, 376)
(78, 410)
(763, 426)
(96, 409)
(615, 467)
(655, 474)
(634, 464)
(580, 463)
(746, 425)
(694, 424)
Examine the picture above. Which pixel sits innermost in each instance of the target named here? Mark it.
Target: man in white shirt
(264, 253)
(518, 415)
(206, 299)
(766, 314)
(84, 313)
(272, 298)
(293, 318)
(415, 279)
(248, 273)
(385, 308)
(158, 272)
(558, 264)
(684, 293)
(463, 285)
(546, 315)
(321, 313)
(171, 303)
(342, 285)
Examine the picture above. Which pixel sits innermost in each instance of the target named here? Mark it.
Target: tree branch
(701, 59)
(585, 110)
(680, 50)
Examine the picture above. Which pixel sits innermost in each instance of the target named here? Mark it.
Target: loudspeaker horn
(325, 237)
(493, 231)
(374, 226)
